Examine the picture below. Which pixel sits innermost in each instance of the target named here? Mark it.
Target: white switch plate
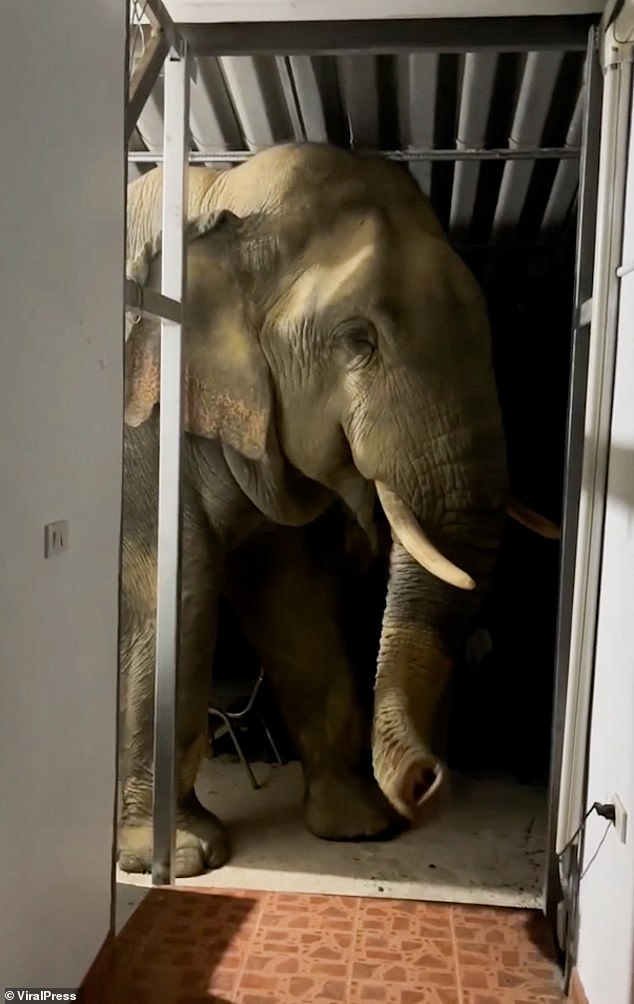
(55, 538)
(620, 818)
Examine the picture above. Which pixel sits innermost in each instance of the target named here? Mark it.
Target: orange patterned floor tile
(405, 919)
(500, 997)
(240, 947)
(413, 993)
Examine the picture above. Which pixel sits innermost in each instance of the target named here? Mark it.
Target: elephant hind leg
(287, 604)
(200, 839)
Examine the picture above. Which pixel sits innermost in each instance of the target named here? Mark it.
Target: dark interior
(503, 710)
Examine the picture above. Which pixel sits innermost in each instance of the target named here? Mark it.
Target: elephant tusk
(408, 532)
(532, 520)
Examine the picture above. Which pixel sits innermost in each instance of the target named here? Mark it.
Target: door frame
(590, 414)
(574, 454)
(581, 532)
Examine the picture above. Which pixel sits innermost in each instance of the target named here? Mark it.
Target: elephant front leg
(200, 839)
(288, 606)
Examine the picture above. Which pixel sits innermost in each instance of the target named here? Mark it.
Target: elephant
(336, 353)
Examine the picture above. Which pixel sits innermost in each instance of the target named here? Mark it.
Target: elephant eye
(355, 342)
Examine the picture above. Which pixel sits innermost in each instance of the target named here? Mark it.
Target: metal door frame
(168, 52)
(610, 74)
(578, 383)
(171, 42)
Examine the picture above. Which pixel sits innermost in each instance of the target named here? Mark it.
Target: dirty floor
(185, 946)
(487, 845)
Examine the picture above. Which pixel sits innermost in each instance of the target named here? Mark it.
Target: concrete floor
(485, 847)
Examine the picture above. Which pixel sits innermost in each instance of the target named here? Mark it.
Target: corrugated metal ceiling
(417, 101)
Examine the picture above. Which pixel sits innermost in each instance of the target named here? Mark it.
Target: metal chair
(222, 696)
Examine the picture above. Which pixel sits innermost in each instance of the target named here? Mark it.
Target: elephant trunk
(443, 487)
(424, 622)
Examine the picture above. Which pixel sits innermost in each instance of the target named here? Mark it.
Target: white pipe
(418, 84)
(359, 85)
(536, 91)
(282, 65)
(567, 176)
(212, 120)
(176, 145)
(615, 128)
(475, 103)
(245, 89)
(307, 90)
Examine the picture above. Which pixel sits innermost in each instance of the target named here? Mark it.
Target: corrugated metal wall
(409, 102)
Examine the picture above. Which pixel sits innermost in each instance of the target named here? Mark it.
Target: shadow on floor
(178, 947)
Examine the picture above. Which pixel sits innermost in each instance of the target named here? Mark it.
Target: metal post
(586, 229)
(412, 155)
(144, 79)
(582, 612)
(176, 146)
(162, 39)
(615, 124)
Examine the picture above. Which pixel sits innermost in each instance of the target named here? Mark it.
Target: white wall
(606, 940)
(61, 267)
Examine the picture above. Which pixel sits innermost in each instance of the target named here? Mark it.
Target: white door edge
(617, 54)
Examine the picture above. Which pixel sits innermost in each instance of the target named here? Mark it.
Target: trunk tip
(411, 785)
(423, 782)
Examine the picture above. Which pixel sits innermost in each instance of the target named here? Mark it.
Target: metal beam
(175, 200)
(160, 20)
(144, 79)
(149, 303)
(466, 34)
(404, 156)
(150, 122)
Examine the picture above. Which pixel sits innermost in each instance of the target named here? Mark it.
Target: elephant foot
(201, 843)
(349, 807)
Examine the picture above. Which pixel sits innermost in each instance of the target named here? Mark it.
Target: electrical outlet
(620, 818)
(55, 538)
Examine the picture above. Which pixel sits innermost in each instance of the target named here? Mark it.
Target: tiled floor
(237, 947)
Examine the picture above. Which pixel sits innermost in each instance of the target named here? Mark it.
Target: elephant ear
(227, 393)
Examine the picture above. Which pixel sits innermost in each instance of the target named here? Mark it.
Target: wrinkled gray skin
(333, 340)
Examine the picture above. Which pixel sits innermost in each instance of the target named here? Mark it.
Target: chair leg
(215, 734)
(240, 752)
(270, 739)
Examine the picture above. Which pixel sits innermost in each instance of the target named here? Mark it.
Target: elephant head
(380, 353)
(333, 335)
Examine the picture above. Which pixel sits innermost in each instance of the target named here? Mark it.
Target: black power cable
(606, 810)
